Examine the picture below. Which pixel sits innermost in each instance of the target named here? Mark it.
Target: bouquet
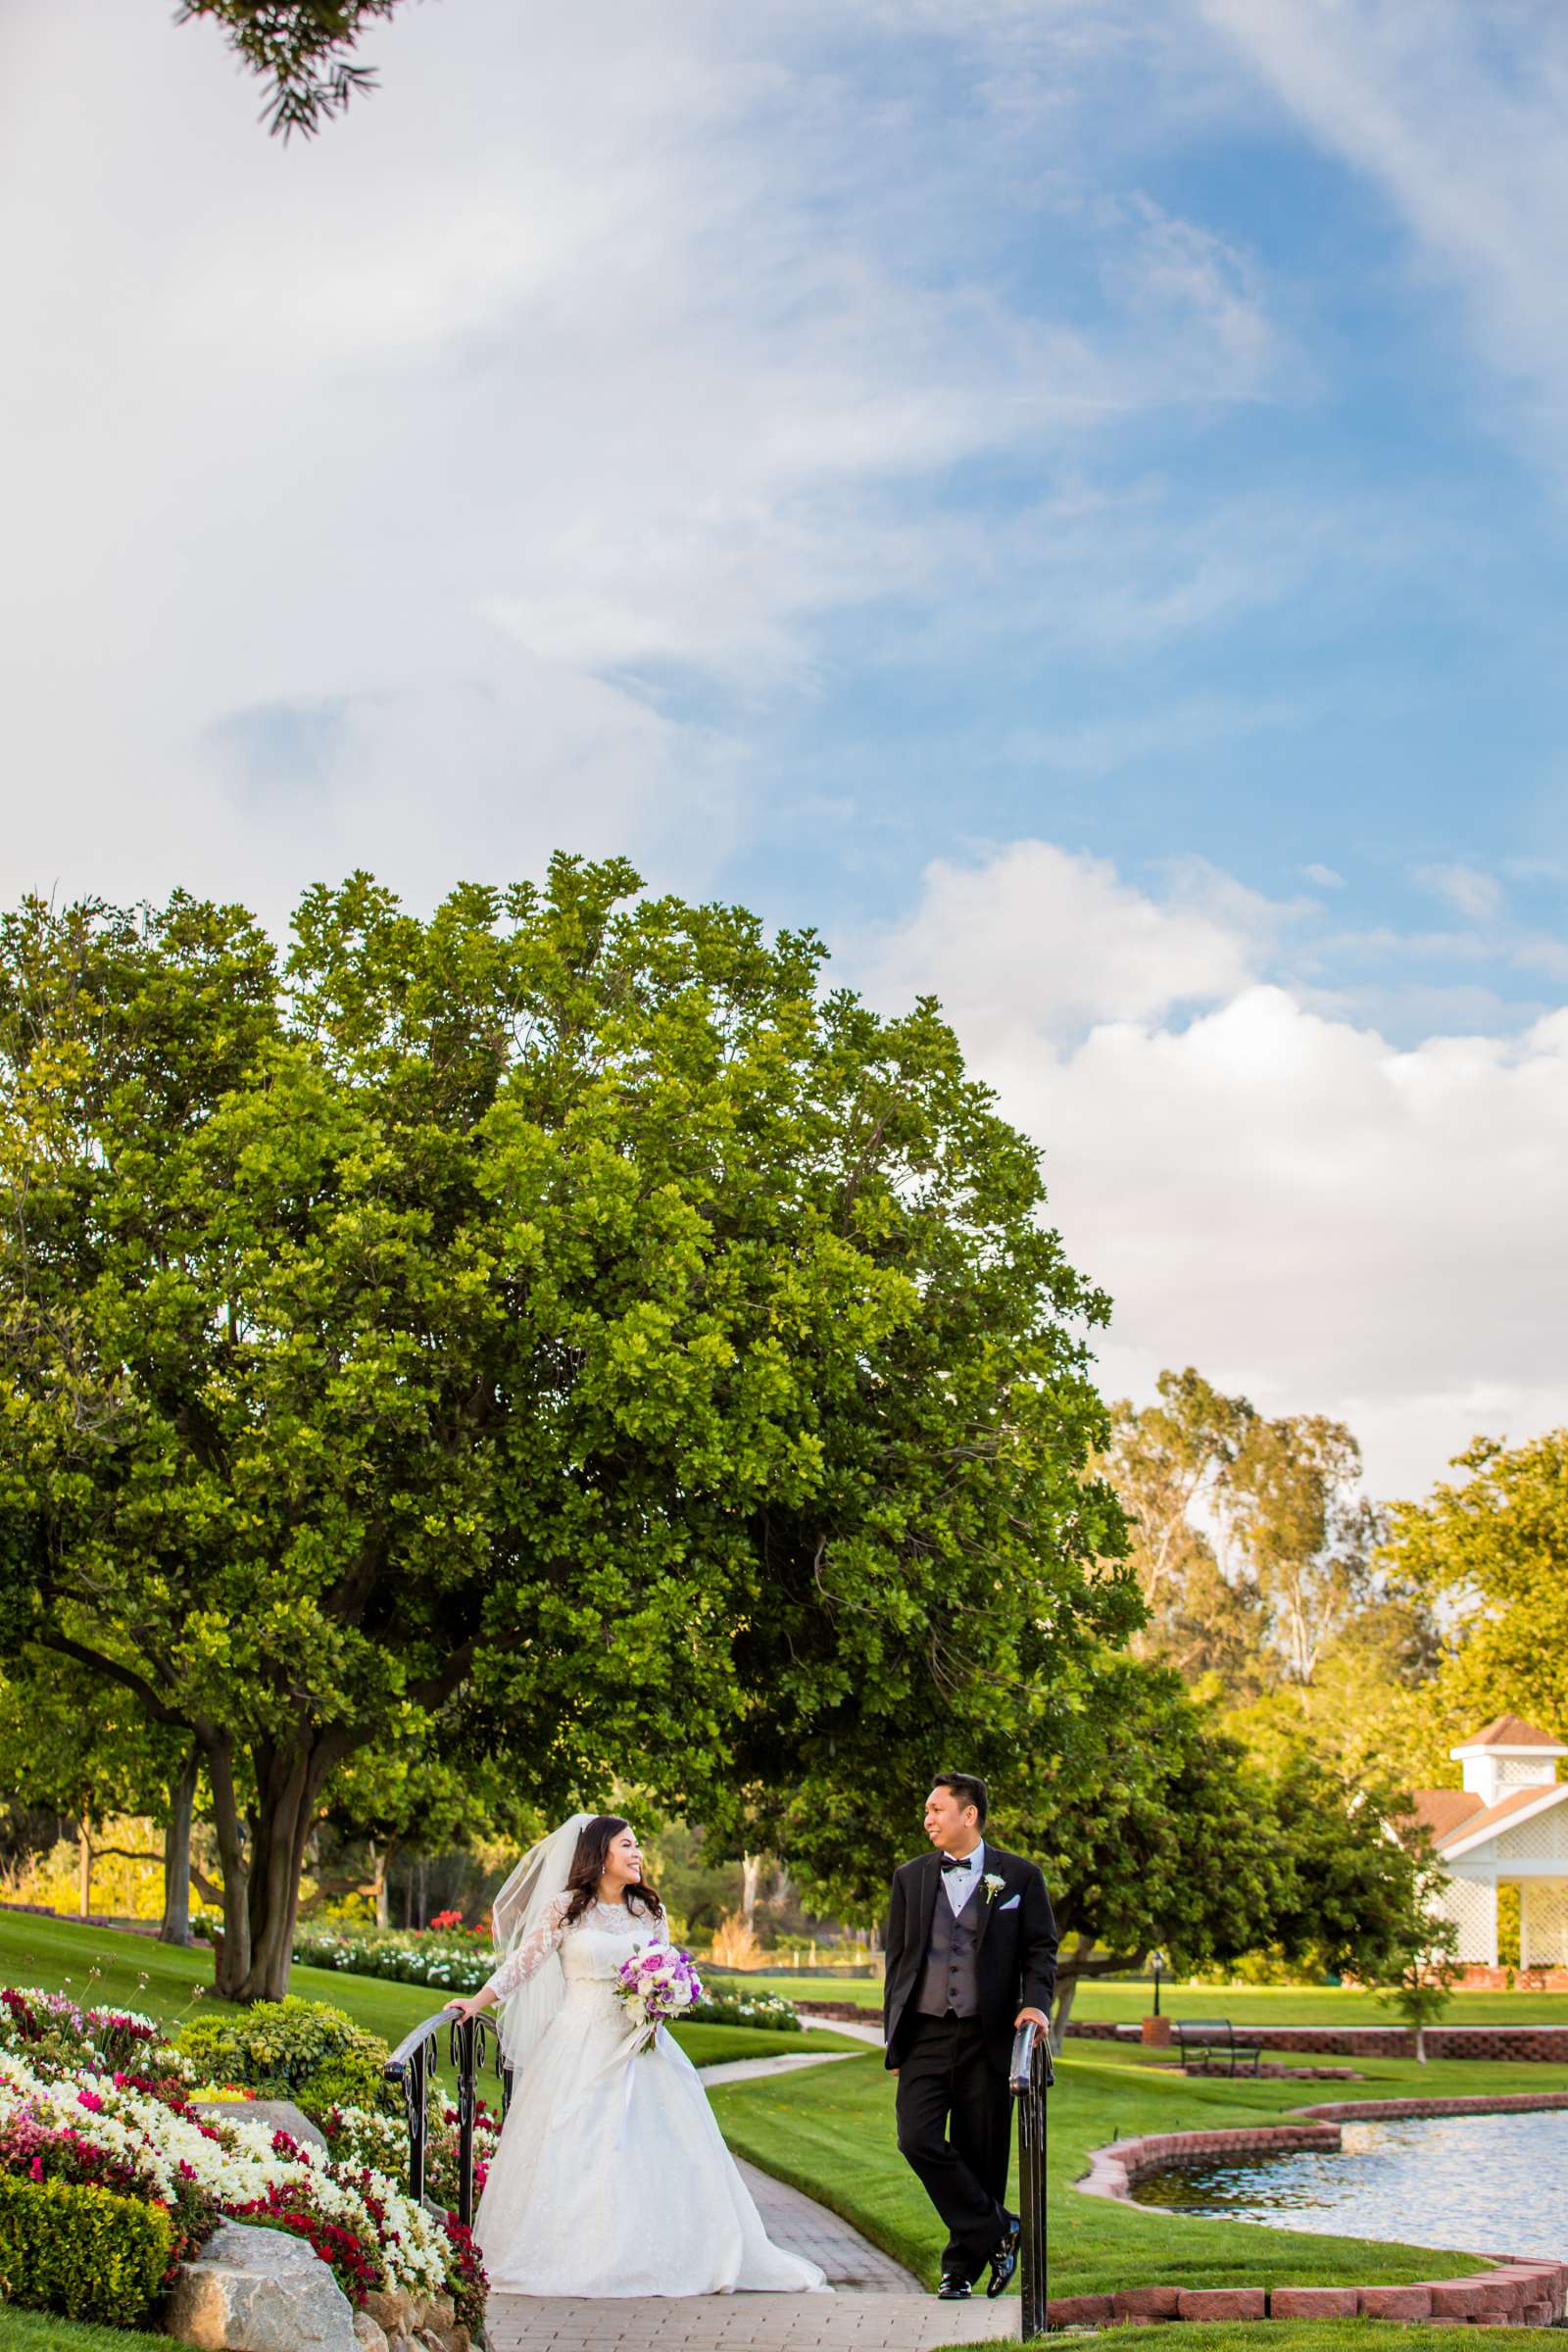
(655, 1986)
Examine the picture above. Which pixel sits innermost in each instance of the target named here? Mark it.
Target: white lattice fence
(1542, 1922)
(1472, 1905)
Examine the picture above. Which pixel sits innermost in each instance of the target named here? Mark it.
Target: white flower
(992, 1883)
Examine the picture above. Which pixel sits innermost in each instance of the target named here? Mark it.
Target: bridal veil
(519, 1911)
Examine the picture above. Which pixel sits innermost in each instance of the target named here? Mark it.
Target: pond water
(1480, 2184)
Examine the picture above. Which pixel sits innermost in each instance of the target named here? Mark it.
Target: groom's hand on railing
(1032, 2017)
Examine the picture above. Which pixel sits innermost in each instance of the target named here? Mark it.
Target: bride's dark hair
(593, 1840)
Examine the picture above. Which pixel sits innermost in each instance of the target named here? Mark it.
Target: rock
(281, 2114)
(391, 2309)
(366, 2334)
(259, 2291)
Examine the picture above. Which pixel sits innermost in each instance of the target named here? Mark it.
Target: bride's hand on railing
(462, 2008)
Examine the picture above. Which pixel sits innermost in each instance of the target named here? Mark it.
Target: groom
(971, 1954)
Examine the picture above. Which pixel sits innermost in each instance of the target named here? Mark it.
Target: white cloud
(1037, 944)
(601, 354)
(1469, 892)
(1314, 1217)
(1455, 112)
(1323, 877)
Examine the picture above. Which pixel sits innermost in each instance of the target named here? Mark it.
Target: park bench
(1208, 2045)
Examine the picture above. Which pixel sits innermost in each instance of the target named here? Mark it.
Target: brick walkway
(875, 2305)
(830, 2322)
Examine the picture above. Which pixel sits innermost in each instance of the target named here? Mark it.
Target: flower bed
(463, 1964)
(71, 2116)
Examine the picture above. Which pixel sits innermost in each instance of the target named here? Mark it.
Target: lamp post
(1156, 1961)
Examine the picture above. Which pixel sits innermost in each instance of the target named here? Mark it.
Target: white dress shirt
(959, 1885)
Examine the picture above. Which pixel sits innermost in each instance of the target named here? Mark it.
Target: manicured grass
(107, 1965)
(1248, 2004)
(864, 1992)
(831, 2132)
(41, 2331)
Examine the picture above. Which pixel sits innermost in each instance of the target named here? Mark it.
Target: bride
(611, 2178)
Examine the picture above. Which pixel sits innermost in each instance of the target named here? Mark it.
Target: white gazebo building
(1507, 1825)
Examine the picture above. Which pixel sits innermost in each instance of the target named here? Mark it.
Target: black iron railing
(412, 2067)
(1032, 2076)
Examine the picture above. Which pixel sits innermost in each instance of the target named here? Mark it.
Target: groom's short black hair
(969, 1790)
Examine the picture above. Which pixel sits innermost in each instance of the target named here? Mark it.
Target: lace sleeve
(532, 1953)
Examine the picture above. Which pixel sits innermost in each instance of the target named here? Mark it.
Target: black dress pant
(955, 2130)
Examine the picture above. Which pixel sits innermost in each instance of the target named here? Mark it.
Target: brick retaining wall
(1546, 2044)
(1526, 2293)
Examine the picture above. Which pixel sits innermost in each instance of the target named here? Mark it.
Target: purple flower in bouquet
(657, 1985)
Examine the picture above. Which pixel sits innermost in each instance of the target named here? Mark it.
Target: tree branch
(127, 1676)
(437, 1686)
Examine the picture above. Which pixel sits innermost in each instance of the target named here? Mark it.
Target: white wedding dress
(611, 2177)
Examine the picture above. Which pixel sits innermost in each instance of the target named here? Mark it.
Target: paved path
(788, 2062)
(850, 2027)
(875, 2305)
(828, 2323)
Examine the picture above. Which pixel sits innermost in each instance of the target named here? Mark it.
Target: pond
(1479, 2183)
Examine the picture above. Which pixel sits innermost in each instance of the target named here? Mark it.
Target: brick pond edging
(1526, 2293)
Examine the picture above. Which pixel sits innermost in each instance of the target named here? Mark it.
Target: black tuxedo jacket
(1015, 1959)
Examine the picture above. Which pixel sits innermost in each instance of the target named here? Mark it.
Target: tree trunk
(288, 1781)
(84, 1867)
(176, 1927)
(380, 1864)
(233, 1961)
(751, 1874)
(420, 1911)
(1067, 1984)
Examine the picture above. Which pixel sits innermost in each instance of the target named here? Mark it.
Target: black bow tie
(951, 1863)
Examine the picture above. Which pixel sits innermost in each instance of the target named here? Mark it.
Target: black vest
(951, 1980)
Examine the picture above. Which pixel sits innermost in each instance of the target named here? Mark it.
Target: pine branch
(300, 48)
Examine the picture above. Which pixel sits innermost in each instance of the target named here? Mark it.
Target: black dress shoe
(1003, 2258)
(955, 2287)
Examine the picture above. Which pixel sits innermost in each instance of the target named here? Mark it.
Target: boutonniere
(992, 1883)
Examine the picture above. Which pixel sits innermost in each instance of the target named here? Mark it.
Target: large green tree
(562, 1301)
(1490, 1550)
(1156, 1830)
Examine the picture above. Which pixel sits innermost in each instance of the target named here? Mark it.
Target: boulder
(280, 2114)
(366, 2334)
(259, 2291)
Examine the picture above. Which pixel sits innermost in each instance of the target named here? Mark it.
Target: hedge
(81, 2251)
(306, 2051)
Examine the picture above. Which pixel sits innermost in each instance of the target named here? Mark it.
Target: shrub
(81, 2251)
(56, 2035)
(306, 2051)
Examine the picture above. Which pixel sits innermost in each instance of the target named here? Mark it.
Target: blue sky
(1066, 496)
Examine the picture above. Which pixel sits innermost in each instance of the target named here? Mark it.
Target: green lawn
(107, 1965)
(41, 2331)
(1248, 2004)
(831, 2132)
(864, 1992)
